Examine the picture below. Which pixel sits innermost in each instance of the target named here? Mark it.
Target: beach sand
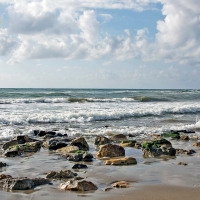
(150, 179)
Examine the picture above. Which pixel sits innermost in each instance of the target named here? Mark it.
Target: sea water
(97, 111)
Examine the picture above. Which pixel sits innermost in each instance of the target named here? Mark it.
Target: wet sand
(151, 178)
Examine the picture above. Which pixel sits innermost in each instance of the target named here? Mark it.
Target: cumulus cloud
(7, 42)
(71, 29)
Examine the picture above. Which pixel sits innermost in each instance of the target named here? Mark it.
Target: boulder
(79, 156)
(101, 140)
(20, 139)
(128, 143)
(80, 143)
(156, 152)
(121, 161)
(78, 185)
(17, 150)
(61, 175)
(111, 150)
(56, 143)
(67, 149)
(121, 184)
(9, 184)
(156, 144)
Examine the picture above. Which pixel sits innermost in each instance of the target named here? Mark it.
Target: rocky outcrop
(61, 175)
(111, 150)
(101, 140)
(9, 184)
(80, 143)
(121, 161)
(78, 185)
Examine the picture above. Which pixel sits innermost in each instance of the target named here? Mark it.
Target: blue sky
(100, 43)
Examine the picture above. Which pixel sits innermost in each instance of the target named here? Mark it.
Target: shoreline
(151, 178)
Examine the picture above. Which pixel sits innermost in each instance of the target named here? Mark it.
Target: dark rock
(2, 164)
(111, 150)
(101, 140)
(182, 163)
(78, 185)
(80, 143)
(20, 139)
(56, 143)
(22, 183)
(4, 176)
(182, 151)
(156, 144)
(156, 152)
(61, 175)
(76, 157)
(79, 166)
(41, 133)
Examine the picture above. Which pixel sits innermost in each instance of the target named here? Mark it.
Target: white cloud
(7, 42)
(70, 29)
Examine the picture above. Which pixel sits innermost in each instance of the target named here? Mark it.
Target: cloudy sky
(100, 43)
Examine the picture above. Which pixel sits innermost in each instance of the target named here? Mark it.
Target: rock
(182, 151)
(79, 166)
(61, 175)
(22, 183)
(196, 144)
(56, 143)
(194, 137)
(20, 139)
(121, 161)
(119, 137)
(121, 184)
(22, 148)
(128, 143)
(78, 185)
(184, 137)
(101, 140)
(80, 156)
(80, 143)
(172, 134)
(67, 149)
(182, 163)
(156, 144)
(138, 145)
(4, 176)
(156, 152)
(111, 150)
(2, 164)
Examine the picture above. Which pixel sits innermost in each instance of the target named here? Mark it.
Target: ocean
(97, 111)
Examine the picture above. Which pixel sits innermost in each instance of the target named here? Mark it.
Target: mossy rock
(155, 144)
(171, 134)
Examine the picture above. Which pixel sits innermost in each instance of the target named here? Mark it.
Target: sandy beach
(151, 178)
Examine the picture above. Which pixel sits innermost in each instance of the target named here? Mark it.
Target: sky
(138, 44)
